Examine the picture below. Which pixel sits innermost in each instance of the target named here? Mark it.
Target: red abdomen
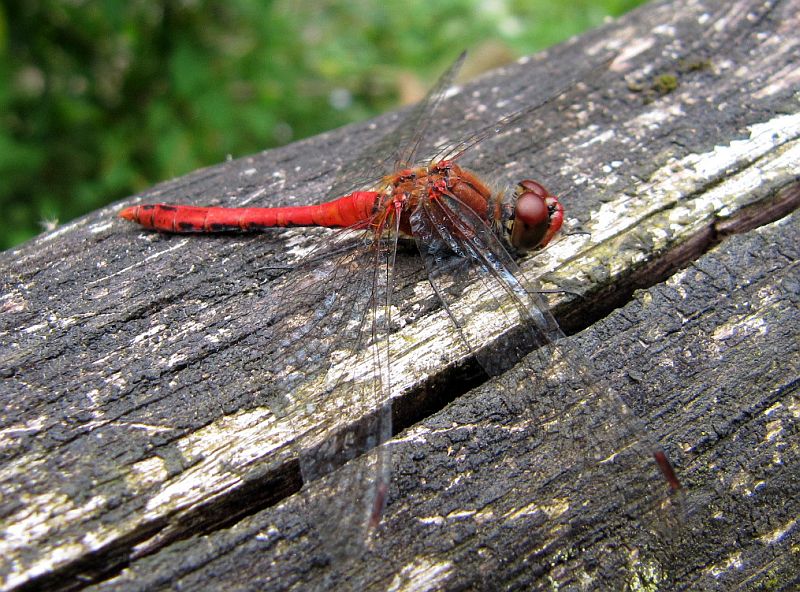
(351, 210)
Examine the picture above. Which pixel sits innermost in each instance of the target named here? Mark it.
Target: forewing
(410, 143)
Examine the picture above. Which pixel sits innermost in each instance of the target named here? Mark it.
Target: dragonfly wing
(399, 148)
(546, 91)
(409, 143)
(329, 389)
(584, 424)
(458, 248)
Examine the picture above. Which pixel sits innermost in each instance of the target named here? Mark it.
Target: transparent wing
(397, 149)
(546, 92)
(409, 144)
(584, 424)
(459, 248)
(328, 387)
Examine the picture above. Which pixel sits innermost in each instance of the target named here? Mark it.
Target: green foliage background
(100, 99)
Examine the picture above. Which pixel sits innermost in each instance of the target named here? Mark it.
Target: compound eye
(531, 221)
(532, 210)
(537, 216)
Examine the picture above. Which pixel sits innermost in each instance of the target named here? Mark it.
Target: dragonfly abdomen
(351, 210)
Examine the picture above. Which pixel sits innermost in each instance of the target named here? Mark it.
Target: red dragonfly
(531, 223)
(344, 347)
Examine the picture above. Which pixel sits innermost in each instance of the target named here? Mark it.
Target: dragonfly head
(535, 217)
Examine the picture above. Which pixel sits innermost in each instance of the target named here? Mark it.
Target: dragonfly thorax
(528, 223)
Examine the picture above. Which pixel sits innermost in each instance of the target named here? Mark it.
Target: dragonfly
(337, 329)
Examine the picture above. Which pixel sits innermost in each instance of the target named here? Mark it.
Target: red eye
(532, 210)
(537, 216)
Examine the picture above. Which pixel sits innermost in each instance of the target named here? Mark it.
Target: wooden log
(135, 431)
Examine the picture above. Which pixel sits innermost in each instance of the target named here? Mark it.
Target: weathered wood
(132, 364)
